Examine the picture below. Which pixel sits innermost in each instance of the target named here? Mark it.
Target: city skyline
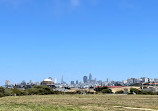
(86, 79)
(87, 83)
(69, 79)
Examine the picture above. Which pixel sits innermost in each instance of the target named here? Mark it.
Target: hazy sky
(117, 39)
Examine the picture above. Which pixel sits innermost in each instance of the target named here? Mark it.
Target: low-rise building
(48, 82)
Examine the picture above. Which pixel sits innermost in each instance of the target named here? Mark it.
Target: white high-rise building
(107, 80)
(145, 79)
(55, 80)
(7, 83)
(62, 80)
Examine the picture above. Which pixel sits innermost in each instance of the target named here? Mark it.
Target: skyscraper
(107, 80)
(90, 77)
(55, 80)
(62, 80)
(85, 79)
(72, 82)
(77, 82)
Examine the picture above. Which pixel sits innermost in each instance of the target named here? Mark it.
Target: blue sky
(117, 39)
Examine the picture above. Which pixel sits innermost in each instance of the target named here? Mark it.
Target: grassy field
(80, 103)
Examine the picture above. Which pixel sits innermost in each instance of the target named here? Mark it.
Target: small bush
(1, 94)
(119, 92)
(78, 92)
(70, 92)
(106, 91)
(90, 92)
(136, 91)
(8, 92)
(39, 90)
(17, 92)
(99, 89)
(58, 92)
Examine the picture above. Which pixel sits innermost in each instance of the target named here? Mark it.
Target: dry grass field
(80, 103)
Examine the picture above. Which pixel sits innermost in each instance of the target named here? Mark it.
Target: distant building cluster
(22, 85)
(88, 82)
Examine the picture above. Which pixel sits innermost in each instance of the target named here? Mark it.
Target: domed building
(48, 82)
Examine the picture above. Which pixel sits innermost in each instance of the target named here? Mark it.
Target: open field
(80, 103)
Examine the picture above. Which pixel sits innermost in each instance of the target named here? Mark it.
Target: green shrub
(136, 91)
(78, 92)
(2, 89)
(99, 89)
(58, 92)
(119, 92)
(90, 92)
(106, 91)
(8, 92)
(17, 92)
(70, 92)
(2, 92)
(40, 90)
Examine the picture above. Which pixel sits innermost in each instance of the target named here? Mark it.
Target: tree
(104, 91)
(136, 91)
(17, 92)
(8, 92)
(1, 91)
(99, 89)
(40, 90)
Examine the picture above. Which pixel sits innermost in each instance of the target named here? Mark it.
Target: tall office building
(55, 80)
(62, 80)
(90, 77)
(77, 82)
(72, 82)
(145, 79)
(85, 79)
(107, 80)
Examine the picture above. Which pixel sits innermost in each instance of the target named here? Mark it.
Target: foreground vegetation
(95, 102)
(45, 90)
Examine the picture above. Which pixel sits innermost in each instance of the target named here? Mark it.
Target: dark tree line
(45, 90)
(103, 90)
